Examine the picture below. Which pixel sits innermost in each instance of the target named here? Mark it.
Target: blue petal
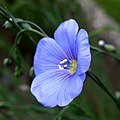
(71, 89)
(83, 52)
(48, 55)
(56, 87)
(65, 36)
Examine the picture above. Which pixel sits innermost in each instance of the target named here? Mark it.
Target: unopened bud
(7, 61)
(23, 87)
(101, 43)
(107, 47)
(23, 24)
(31, 72)
(7, 24)
(26, 26)
(110, 48)
(117, 94)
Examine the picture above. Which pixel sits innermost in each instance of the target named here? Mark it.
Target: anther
(60, 67)
(65, 60)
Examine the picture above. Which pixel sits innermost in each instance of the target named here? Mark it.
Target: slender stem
(115, 56)
(13, 19)
(17, 40)
(101, 85)
(31, 30)
(6, 14)
(39, 28)
(96, 49)
(31, 38)
(59, 115)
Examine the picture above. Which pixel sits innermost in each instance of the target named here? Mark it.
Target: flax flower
(60, 65)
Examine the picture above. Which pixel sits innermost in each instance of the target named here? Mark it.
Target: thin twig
(101, 85)
(59, 115)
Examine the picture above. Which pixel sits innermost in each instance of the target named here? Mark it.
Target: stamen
(65, 60)
(65, 65)
(60, 67)
(70, 65)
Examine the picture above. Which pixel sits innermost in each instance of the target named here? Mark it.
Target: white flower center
(70, 65)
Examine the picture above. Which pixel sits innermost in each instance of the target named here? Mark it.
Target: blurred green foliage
(16, 101)
(112, 7)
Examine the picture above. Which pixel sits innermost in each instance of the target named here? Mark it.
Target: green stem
(59, 115)
(115, 56)
(13, 20)
(101, 85)
(6, 15)
(39, 28)
(31, 30)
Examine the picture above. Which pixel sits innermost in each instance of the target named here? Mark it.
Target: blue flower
(60, 65)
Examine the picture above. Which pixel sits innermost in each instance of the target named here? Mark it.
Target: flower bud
(23, 24)
(109, 48)
(7, 61)
(23, 87)
(117, 94)
(31, 72)
(26, 26)
(7, 24)
(101, 43)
